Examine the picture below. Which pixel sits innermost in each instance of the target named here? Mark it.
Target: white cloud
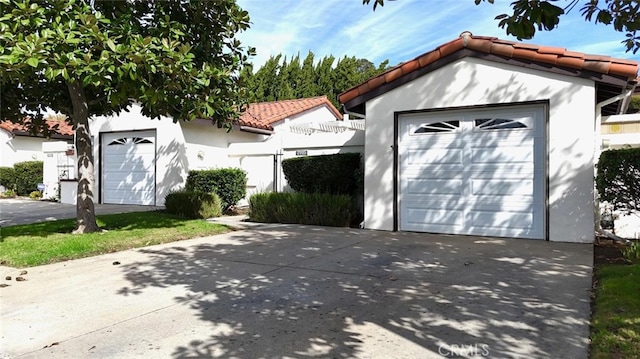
(399, 31)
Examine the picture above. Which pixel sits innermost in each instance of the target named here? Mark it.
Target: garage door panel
(502, 187)
(502, 154)
(500, 219)
(483, 177)
(418, 157)
(123, 196)
(128, 178)
(130, 166)
(419, 186)
(423, 216)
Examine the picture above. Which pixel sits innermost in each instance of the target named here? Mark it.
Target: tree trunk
(85, 209)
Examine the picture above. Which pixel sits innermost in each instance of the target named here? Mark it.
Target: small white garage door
(473, 172)
(128, 167)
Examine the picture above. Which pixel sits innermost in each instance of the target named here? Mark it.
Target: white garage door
(477, 172)
(128, 167)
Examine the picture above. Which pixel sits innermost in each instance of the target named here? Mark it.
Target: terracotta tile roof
(553, 56)
(263, 115)
(64, 129)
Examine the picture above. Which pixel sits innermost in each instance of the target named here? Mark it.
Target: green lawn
(49, 242)
(615, 331)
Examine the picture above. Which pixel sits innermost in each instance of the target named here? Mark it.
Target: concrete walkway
(288, 291)
(24, 211)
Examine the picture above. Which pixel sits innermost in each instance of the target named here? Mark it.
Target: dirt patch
(606, 251)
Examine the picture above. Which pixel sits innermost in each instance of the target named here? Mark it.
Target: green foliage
(28, 175)
(83, 58)
(35, 195)
(529, 15)
(632, 252)
(193, 204)
(278, 79)
(618, 177)
(170, 56)
(333, 174)
(230, 184)
(303, 208)
(634, 105)
(8, 177)
(9, 193)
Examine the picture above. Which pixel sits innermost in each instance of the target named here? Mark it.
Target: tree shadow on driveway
(337, 293)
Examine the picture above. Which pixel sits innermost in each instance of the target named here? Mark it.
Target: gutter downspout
(354, 114)
(597, 150)
(255, 130)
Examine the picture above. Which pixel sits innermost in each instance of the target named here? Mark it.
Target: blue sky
(401, 30)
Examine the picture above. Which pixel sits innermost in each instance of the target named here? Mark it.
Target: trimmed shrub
(303, 208)
(8, 194)
(28, 175)
(618, 177)
(35, 195)
(230, 184)
(193, 204)
(333, 174)
(8, 177)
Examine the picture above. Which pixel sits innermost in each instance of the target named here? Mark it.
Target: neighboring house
(139, 160)
(621, 131)
(18, 145)
(488, 137)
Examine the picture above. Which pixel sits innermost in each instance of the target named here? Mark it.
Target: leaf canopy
(175, 57)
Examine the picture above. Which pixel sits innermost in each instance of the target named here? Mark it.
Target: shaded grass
(49, 242)
(615, 331)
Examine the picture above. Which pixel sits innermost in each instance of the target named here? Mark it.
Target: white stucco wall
(20, 148)
(171, 160)
(180, 147)
(470, 82)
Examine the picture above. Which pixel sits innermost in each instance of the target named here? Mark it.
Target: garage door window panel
(438, 127)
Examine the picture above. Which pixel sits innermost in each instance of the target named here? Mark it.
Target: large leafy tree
(531, 15)
(84, 58)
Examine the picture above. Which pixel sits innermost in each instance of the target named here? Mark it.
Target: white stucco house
(139, 160)
(488, 137)
(18, 144)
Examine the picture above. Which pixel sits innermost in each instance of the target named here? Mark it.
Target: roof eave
(56, 136)
(357, 103)
(260, 131)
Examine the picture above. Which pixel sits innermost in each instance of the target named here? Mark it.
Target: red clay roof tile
(389, 76)
(63, 128)
(546, 58)
(508, 49)
(263, 115)
(502, 49)
(450, 47)
(571, 62)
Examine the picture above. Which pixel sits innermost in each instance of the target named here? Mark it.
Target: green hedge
(193, 204)
(618, 178)
(303, 208)
(28, 175)
(334, 174)
(230, 184)
(8, 177)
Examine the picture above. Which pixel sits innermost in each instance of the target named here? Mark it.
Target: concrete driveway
(24, 211)
(285, 291)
